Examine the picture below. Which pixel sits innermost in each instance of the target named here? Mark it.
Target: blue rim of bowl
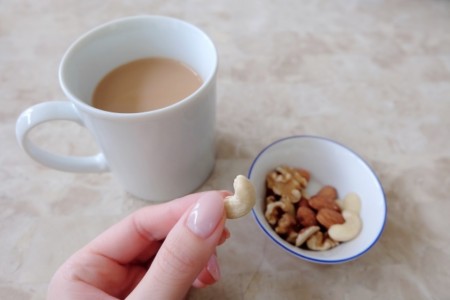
(321, 261)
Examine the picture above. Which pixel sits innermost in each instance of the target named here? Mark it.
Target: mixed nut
(319, 222)
(243, 200)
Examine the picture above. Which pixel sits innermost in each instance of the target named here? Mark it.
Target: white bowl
(329, 163)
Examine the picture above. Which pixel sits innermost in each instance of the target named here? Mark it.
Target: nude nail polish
(206, 214)
(213, 267)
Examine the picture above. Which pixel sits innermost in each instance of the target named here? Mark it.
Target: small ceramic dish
(329, 163)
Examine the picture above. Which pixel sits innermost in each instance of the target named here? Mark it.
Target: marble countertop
(373, 75)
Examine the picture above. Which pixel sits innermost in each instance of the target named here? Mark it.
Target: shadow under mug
(156, 155)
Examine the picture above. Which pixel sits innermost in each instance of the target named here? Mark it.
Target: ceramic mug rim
(78, 43)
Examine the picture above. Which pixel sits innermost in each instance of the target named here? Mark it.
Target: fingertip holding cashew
(348, 230)
(243, 200)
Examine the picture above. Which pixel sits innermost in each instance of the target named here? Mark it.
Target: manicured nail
(227, 233)
(225, 236)
(213, 267)
(206, 214)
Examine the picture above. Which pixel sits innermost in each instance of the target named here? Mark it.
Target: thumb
(185, 251)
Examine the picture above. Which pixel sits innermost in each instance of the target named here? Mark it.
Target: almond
(328, 217)
(304, 202)
(328, 191)
(319, 202)
(306, 216)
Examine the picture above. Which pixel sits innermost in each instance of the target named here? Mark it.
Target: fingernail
(213, 267)
(227, 233)
(225, 236)
(206, 214)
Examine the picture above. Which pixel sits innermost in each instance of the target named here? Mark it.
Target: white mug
(156, 155)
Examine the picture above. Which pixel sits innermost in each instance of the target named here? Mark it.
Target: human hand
(158, 252)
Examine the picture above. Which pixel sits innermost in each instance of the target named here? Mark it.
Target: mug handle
(51, 111)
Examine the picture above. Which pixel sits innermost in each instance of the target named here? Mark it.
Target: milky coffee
(144, 85)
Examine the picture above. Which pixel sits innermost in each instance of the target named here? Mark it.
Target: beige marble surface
(374, 75)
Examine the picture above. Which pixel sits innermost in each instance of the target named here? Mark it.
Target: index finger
(126, 240)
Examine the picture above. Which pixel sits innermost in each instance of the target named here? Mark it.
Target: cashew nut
(348, 230)
(319, 242)
(244, 198)
(352, 202)
(305, 234)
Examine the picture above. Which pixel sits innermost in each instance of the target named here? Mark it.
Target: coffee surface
(144, 85)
